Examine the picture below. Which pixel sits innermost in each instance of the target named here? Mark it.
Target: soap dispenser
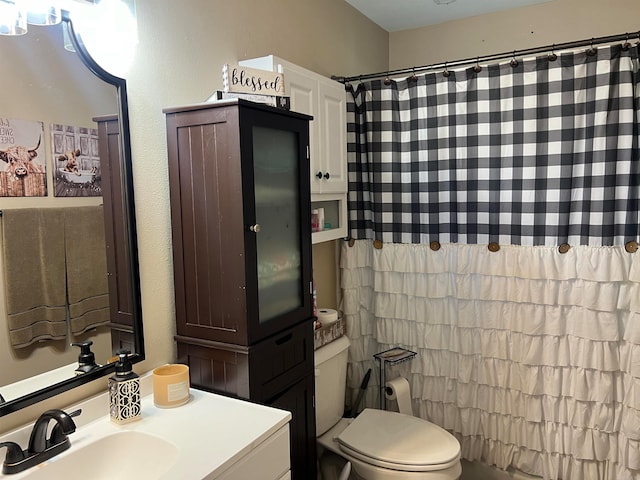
(86, 359)
(124, 391)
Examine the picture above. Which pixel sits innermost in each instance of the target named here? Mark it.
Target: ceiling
(396, 15)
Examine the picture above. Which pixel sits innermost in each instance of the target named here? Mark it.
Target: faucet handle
(58, 434)
(14, 452)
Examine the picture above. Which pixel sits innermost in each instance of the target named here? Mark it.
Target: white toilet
(380, 445)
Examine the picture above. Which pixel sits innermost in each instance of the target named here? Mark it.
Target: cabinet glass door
(277, 202)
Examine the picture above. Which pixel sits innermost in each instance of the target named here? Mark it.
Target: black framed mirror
(112, 137)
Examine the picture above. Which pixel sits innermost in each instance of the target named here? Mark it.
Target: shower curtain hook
(413, 76)
(446, 72)
(592, 51)
(514, 60)
(477, 68)
(552, 56)
(387, 80)
(626, 45)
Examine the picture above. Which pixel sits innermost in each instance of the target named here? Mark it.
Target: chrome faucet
(40, 448)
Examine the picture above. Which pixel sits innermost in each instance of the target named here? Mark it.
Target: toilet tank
(331, 380)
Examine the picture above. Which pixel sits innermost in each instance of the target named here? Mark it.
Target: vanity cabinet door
(269, 460)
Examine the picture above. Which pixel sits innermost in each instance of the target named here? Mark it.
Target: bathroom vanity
(210, 437)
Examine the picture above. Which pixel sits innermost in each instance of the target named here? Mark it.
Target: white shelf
(335, 213)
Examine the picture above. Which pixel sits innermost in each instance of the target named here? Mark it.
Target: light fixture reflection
(108, 28)
(13, 18)
(109, 31)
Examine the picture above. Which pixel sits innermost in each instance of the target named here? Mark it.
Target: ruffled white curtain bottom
(530, 357)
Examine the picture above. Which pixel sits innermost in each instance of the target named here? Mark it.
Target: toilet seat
(399, 442)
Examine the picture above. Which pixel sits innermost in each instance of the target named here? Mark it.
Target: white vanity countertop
(211, 431)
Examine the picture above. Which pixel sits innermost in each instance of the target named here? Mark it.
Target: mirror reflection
(67, 249)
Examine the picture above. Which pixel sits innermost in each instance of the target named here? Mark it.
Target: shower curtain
(506, 201)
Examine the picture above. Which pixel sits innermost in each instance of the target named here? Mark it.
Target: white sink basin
(126, 454)
(203, 439)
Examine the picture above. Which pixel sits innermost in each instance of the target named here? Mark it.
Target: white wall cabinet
(330, 172)
(325, 100)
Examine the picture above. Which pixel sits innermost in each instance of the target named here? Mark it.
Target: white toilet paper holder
(393, 356)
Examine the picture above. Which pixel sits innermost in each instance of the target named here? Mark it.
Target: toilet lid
(399, 441)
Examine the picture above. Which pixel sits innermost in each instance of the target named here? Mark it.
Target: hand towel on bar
(87, 287)
(34, 274)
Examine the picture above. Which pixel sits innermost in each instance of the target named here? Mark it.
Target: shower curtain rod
(485, 58)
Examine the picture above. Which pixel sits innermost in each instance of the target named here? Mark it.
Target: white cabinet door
(269, 460)
(332, 162)
(325, 100)
(303, 91)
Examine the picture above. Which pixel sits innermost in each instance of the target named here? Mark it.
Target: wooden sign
(241, 79)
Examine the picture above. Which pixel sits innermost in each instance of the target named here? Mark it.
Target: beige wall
(325, 273)
(535, 26)
(182, 48)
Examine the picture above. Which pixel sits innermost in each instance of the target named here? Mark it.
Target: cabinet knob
(255, 228)
(326, 176)
(319, 175)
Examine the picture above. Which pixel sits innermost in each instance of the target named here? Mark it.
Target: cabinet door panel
(269, 460)
(277, 231)
(298, 400)
(276, 177)
(118, 255)
(333, 129)
(208, 250)
(304, 99)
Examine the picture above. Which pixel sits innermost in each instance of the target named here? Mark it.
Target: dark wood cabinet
(115, 218)
(240, 213)
(298, 399)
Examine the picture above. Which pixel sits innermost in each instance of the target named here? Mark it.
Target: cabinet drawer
(215, 367)
(280, 360)
(269, 460)
(257, 373)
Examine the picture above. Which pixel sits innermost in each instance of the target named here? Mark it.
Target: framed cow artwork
(23, 170)
(76, 161)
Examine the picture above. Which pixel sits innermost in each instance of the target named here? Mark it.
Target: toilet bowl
(380, 445)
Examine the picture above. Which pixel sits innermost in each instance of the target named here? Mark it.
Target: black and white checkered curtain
(543, 153)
